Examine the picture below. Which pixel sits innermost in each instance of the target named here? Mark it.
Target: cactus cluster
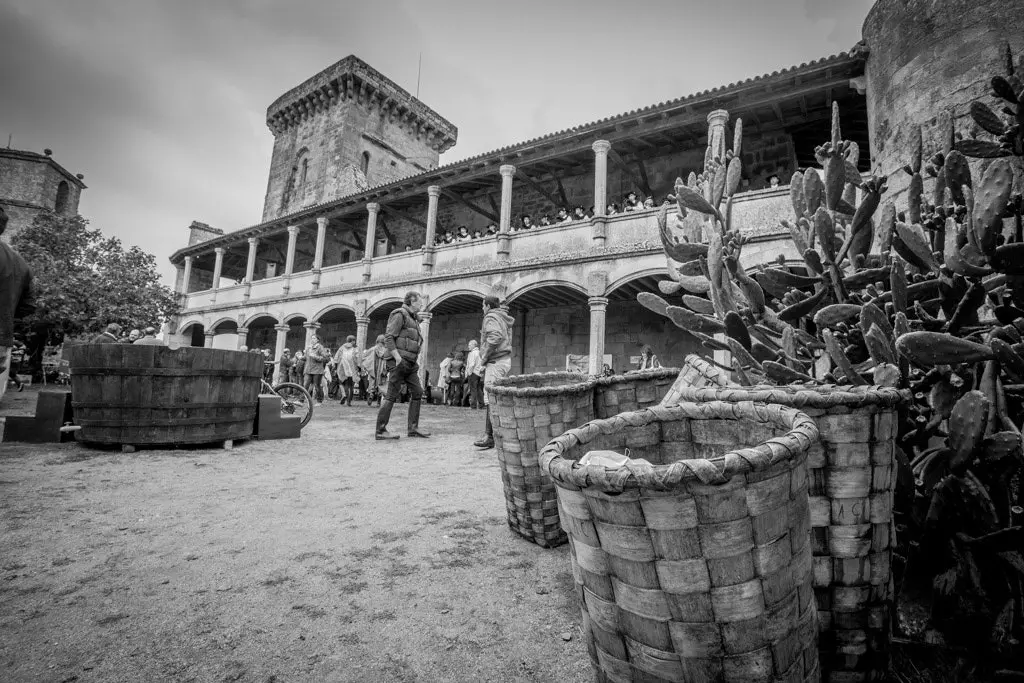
(928, 297)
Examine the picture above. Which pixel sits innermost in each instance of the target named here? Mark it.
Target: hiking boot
(414, 421)
(484, 442)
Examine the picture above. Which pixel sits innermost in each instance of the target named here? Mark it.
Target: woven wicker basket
(696, 373)
(852, 477)
(696, 567)
(527, 411)
(632, 391)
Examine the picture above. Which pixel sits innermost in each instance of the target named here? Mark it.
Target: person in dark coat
(111, 335)
(16, 299)
(403, 340)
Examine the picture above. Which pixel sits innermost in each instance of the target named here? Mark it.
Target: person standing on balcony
(474, 375)
(496, 356)
(403, 340)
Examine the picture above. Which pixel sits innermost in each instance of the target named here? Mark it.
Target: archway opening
(262, 334)
(193, 335)
(551, 330)
(629, 326)
(335, 325)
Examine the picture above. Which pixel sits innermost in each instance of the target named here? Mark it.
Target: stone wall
(29, 184)
(330, 145)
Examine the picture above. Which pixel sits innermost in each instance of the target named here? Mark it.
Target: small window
(61, 203)
(305, 171)
(366, 163)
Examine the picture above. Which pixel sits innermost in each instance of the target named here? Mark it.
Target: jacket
(104, 338)
(496, 336)
(16, 299)
(316, 359)
(403, 333)
(345, 362)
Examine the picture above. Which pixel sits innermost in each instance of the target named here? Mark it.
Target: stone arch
(327, 309)
(189, 323)
(256, 316)
(295, 316)
(448, 298)
(547, 284)
(224, 321)
(192, 333)
(388, 302)
(647, 275)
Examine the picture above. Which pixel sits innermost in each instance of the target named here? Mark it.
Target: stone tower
(926, 56)
(345, 129)
(31, 182)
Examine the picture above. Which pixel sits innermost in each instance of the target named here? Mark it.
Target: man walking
(403, 339)
(15, 300)
(474, 375)
(496, 356)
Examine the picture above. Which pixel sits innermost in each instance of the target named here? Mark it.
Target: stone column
(311, 329)
(289, 262)
(424, 317)
(318, 255)
(208, 340)
(505, 218)
(598, 309)
(716, 132)
(433, 192)
(372, 208)
(243, 335)
(601, 149)
(250, 266)
(282, 339)
(186, 278)
(218, 264)
(362, 325)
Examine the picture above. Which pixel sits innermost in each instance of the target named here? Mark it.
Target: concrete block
(271, 424)
(53, 409)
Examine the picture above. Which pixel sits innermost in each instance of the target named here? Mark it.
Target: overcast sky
(162, 103)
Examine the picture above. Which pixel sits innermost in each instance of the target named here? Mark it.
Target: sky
(161, 104)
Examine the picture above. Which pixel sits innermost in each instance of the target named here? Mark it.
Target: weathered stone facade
(344, 130)
(30, 183)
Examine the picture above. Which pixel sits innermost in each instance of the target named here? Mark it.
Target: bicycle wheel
(295, 400)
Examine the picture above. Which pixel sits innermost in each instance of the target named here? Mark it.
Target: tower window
(366, 163)
(305, 171)
(60, 205)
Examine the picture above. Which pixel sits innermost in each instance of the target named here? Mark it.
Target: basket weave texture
(851, 474)
(527, 411)
(696, 373)
(696, 567)
(632, 391)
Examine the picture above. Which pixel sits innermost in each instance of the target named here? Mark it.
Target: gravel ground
(329, 558)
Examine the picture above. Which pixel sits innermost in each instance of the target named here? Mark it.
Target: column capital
(434, 191)
(597, 301)
(718, 116)
(293, 230)
(210, 334)
(506, 170)
(253, 241)
(189, 259)
(321, 222)
(219, 251)
(601, 147)
(372, 207)
(280, 328)
(311, 326)
(242, 329)
(362, 320)
(425, 316)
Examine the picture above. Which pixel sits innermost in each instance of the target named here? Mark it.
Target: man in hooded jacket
(495, 355)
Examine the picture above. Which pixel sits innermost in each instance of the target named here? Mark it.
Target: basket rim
(576, 383)
(633, 375)
(802, 434)
(801, 395)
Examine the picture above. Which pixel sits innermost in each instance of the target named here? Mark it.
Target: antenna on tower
(419, 70)
(9, 137)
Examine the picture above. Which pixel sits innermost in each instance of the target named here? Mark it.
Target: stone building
(355, 198)
(31, 182)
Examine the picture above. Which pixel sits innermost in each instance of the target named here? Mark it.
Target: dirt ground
(329, 558)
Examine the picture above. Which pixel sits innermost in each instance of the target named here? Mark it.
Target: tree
(84, 281)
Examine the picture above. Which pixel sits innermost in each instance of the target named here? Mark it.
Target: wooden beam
(404, 216)
(561, 193)
(494, 204)
(778, 112)
(387, 233)
(536, 187)
(616, 159)
(645, 184)
(459, 198)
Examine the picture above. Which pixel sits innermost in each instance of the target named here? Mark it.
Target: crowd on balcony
(631, 202)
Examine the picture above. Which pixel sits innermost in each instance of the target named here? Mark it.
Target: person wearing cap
(149, 338)
(496, 356)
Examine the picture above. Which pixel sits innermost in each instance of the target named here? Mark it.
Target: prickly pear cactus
(929, 297)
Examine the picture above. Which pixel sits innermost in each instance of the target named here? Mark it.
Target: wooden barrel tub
(151, 395)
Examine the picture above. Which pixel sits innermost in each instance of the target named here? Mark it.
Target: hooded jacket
(496, 336)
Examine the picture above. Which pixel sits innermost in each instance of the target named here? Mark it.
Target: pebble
(566, 636)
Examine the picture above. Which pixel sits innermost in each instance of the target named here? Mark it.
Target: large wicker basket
(697, 566)
(632, 391)
(852, 477)
(695, 374)
(527, 411)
